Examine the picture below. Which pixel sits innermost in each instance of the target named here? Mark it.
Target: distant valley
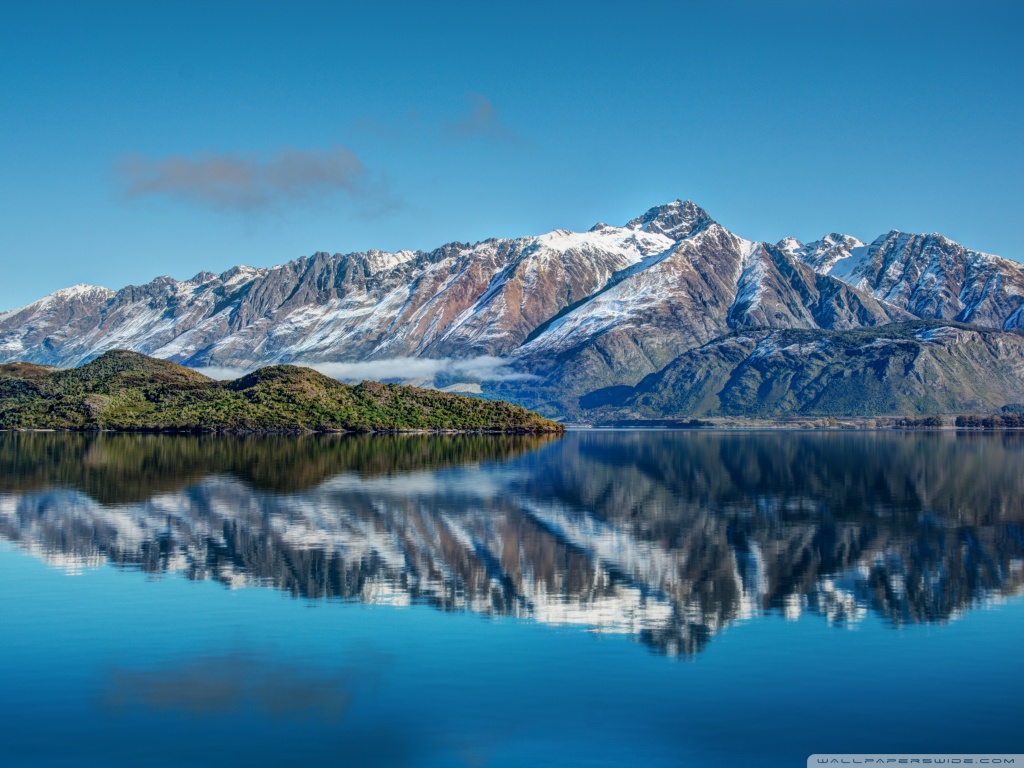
(668, 315)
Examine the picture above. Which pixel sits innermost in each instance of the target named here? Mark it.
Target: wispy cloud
(484, 368)
(222, 372)
(230, 181)
(409, 369)
(483, 120)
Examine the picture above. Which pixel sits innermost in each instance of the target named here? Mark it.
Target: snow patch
(750, 280)
(938, 335)
(81, 291)
(852, 268)
(791, 247)
(822, 255)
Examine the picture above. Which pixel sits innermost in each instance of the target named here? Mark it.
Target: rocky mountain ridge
(912, 369)
(560, 315)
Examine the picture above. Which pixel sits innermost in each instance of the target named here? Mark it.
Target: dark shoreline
(731, 426)
(809, 424)
(296, 432)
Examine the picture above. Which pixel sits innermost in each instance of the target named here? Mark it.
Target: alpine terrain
(669, 314)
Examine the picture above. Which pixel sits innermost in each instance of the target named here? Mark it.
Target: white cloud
(406, 369)
(222, 373)
(483, 368)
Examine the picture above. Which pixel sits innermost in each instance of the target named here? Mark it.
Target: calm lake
(604, 598)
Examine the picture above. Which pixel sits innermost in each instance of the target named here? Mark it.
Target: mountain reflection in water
(666, 536)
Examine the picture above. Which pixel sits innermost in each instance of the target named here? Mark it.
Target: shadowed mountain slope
(900, 369)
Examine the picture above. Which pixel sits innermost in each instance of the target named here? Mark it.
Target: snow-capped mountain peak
(820, 255)
(579, 310)
(81, 290)
(676, 220)
(932, 276)
(790, 246)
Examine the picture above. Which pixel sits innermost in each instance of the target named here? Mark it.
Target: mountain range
(587, 325)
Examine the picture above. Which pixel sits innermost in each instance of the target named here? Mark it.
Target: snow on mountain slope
(710, 282)
(581, 310)
(750, 283)
(934, 277)
(62, 312)
(675, 220)
(820, 255)
(458, 300)
(551, 272)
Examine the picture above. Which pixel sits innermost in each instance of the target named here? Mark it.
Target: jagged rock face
(679, 299)
(931, 277)
(639, 295)
(675, 221)
(775, 291)
(578, 311)
(459, 300)
(822, 254)
(708, 283)
(41, 330)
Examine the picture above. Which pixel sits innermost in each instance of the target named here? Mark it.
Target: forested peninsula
(128, 391)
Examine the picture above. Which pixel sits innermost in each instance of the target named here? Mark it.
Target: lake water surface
(605, 598)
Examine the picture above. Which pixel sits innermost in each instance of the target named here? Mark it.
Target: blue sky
(140, 139)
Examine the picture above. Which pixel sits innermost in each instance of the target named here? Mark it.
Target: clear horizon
(177, 138)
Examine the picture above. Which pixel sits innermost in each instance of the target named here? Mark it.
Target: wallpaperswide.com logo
(814, 761)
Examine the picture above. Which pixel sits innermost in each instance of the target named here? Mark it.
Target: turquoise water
(612, 598)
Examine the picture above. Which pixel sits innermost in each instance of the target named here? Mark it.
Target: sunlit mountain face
(669, 537)
(599, 327)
